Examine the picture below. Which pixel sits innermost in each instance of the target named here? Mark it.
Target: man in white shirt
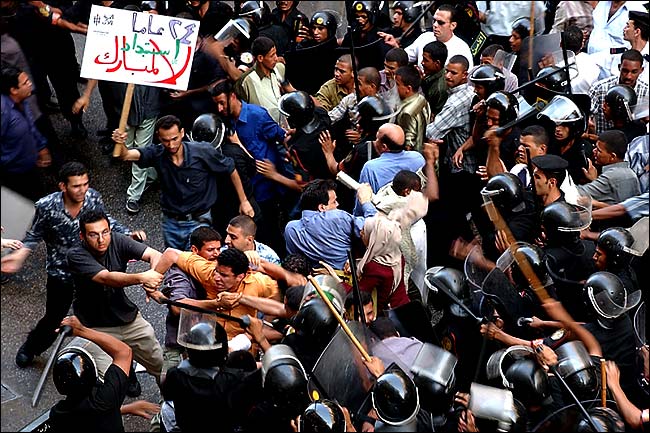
(444, 23)
(636, 33)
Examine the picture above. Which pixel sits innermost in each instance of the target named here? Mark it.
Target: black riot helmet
(369, 7)
(528, 382)
(614, 241)
(409, 12)
(373, 112)
(490, 77)
(74, 372)
(606, 296)
(208, 127)
(555, 81)
(206, 344)
(284, 380)
(315, 321)
(325, 19)
(563, 111)
(323, 416)
(536, 258)
(506, 192)
(605, 419)
(506, 104)
(298, 108)
(619, 99)
(257, 11)
(560, 222)
(448, 280)
(395, 397)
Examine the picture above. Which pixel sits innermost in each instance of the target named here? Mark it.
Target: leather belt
(185, 217)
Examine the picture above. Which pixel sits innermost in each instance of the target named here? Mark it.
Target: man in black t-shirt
(99, 269)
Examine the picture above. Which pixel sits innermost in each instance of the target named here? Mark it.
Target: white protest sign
(139, 48)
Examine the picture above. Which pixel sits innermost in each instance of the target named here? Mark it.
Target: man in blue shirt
(325, 232)
(24, 149)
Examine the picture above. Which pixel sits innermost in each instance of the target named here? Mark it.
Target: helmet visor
(474, 268)
(639, 232)
(561, 110)
(232, 29)
(508, 260)
(610, 308)
(580, 214)
(503, 60)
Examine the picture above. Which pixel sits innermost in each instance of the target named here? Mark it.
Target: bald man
(392, 158)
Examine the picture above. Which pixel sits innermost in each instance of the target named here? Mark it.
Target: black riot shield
(308, 68)
(412, 320)
(371, 54)
(340, 373)
(543, 45)
(569, 417)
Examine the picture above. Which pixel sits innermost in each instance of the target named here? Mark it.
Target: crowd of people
(465, 184)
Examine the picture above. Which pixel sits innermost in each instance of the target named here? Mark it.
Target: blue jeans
(176, 234)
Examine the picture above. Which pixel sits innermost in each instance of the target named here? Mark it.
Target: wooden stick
(531, 33)
(126, 107)
(344, 325)
(603, 381)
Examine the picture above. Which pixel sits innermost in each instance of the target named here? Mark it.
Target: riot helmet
(528, 382)
(323, 416)
(554, 80)
(619, 99)
(506, 104)
(606, 296)
(605, 419)
(409, 11)
(490, 77)
(506, 192)
(325, 19)
(206, 340)
(563, 111)
(284, 380)
(433, 374)
(615, 242)
(535, 257)
(315, 321)
(561, 222)
(208, 127)
(298, 108)
(522, 27)
(445, 280)
(371, 8)
(257, 11)
(236, 28)
(74, 372)
(373, 112)
(395, 397)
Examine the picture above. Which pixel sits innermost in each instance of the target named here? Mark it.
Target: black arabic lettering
(135, 19)
(157, 32)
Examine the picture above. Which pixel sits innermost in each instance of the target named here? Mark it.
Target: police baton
(64, 331)
(336, 314)
(243, 321)
(566, 386)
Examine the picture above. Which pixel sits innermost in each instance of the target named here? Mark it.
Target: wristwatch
(45, 10)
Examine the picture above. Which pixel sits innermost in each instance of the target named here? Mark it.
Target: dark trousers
(59, 300)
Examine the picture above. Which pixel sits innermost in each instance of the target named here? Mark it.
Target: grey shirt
(616, 183)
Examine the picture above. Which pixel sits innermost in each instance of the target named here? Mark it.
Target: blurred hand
(501, 241)
(151, 279)
(431, 151)
(178, 94)
(156, 295)
(490, 330)
(457, 159)
(245, 208)
(389, 39)
(375, 366)
(326, 143)
(253, 258)
(13, 244)
(591, 173)
(482, 173)
(139, 235)
(44, 158)
(364, 193)
(80, 104)
(142, 408)
(353, 136)
(255, 329)
(119, 137)
(266, 168)
(74, 323)
(227, 300)
(546, 356)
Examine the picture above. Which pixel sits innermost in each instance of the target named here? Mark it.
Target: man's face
(209, 251)
(443, 28)
(332, 203)
(369, 312)
(600, 259)
(561, 132)
(269, 60)
(492, 117)
(602, 156)
(343, 74)
(363, 20)
(390, 68)
(607, 111)
(235, 238)
(515, 42)
(630, 71)
(429, 66)
(319, 33)
(284, 6)
(480, 91)
(402, 89)
(398, 18)
(486, 60)
(527, 142)
(542, 183)
(230, 280)
(365, 88)
(97, 236)
(629, 30)
(24, 88)
(171, 139)
(222, 104)
(75, 188)
(455, 75)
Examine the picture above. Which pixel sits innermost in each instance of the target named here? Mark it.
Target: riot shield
(319, 59)
(340, 372)
(639, 325)
(332, 288)
(17, 213)
(568, 417)
(639, 232)
(412, 320)
(543, 46)
(371, 54)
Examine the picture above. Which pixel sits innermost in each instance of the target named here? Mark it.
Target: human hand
(389, 39)
(253, 258)
(245, 208)
(546, 356)
(80, 104)
(227, 300)
(156, 295)
(11, 263)
(590, 173)
(178, 94)
(119, 137)
(490, 330)
(482, 173)
(255, 329)
(501, 241)
(493, 140)
(266, 168)
(74, 323)
(235, 138)
(460, 248)
(13, 244)
(457, 159)
(466, 422)
(326, 143)
(536, 323)
(151, 279)
(375, 366)
(353, 136)
(141, 408)
(288, 134)
(613, 374)
(327, 269)
(44, 158)
(431, 151)
(364, 193)
(139, 235)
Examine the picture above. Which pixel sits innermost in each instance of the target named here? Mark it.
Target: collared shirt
(259, 134)
(325, 235)
(380, 171)
(502, 14)
(178, 285)
(330, 94)
(20, 141)
(264, 90)
(192, 187)
(435, 88)
(413, 116)
(638, 206)
(455, 46)
(598, 92)
(53, 224)
(616, 183)
(638, 156)
(264, 251)
(347, 105)
(452, 125)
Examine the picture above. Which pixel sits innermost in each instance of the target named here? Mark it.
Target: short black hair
(383, 328)
(294, 297)
(9, 78)
(538, 132)
(615, 141)
(241, 360)
(262, 46)
(365, 298)
(633, 56)
(406, 179)
(491, 50)
(296, 263)
(573, 39)
(235, 260)
(371, 75)
(347, 58)
(398, 55)
(222, 87)
(410, 76)
(167, 122)
(451, 9)
(246, 223)
(437, 51)
(460, 60)
(69, 169)
(316, 193)
(201, 235)
(91, 216)
(641, 26)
